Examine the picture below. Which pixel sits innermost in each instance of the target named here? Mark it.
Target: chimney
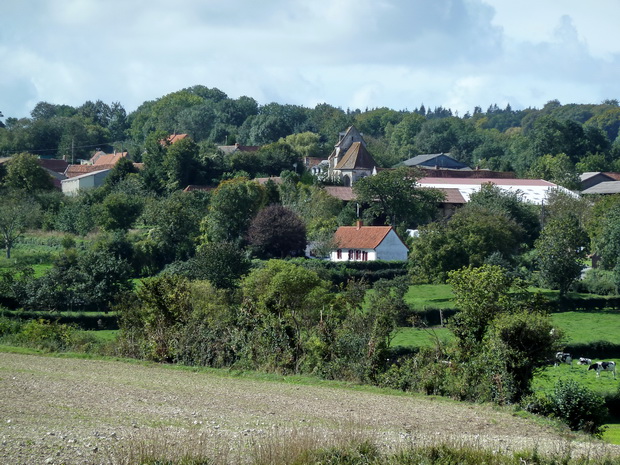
(359, 224)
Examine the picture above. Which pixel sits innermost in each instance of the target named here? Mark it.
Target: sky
(351, 54)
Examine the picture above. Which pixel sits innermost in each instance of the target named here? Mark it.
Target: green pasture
(588, 327)
(423, 296)
(416, 337)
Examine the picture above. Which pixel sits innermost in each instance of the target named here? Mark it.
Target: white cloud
(363, 53)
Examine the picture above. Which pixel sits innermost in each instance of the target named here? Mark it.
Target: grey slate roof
(608, 187)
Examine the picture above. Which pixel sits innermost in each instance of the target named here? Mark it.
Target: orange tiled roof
(360, 237)
(176, 137)
(102, 158)
(340, 192)
(79, 170)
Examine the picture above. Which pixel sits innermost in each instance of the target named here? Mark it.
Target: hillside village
(209, 231)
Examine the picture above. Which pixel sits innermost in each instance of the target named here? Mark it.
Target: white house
(71, 186)
(365, 243)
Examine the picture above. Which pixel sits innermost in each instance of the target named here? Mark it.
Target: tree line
(555, 142)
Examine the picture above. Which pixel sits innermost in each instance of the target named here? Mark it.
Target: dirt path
(56, 410)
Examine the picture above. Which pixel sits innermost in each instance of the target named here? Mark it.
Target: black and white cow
(603, 366)
(563, 357)
(585, 361)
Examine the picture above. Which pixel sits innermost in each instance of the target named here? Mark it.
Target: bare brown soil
(55, 410)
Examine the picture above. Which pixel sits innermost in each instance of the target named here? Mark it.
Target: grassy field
(578, 328)
(586, 327)
(423, 296)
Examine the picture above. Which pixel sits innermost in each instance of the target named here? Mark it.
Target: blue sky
(351, 54)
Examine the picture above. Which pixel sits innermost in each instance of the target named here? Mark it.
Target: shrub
(599, 282)
(53, 336)
(9, 326)
(581, 408)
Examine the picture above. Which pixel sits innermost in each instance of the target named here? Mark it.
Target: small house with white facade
(366, 243)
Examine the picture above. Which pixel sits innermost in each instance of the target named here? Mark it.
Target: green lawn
(105, 335)
(586, 327)
(415, 337)
(423, 296)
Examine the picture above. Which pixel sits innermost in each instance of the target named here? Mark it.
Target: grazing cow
(603, 366)
(563, 357)
(585, 361)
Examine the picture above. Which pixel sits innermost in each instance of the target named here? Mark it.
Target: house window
(339, 254)
(357, 254)
(350, 254)
(364, 256)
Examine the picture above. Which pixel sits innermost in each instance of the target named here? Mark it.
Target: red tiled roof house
(365, 243)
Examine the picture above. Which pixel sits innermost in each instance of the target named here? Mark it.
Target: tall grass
(312, 446)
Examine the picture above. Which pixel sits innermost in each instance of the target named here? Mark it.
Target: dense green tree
(448, 135)
(557, 169)
(480, 294)
(181, 165)
(23, 171)
(118, 211)
(153, 173)
(289, 299)
(373, 123)
(75, 215)
(156, 316)
(118, 123)
(123, 168)
(512, 204)
(402, 136)
(174, 225)
(561, 249)
(221, 263)
(90, 280)
(472, 236)
(306, 144)
(397, 196)
(233, 205)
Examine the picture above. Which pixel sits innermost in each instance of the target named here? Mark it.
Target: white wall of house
(371, 254)
(392, 248)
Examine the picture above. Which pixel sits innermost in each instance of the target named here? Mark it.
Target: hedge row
(341, 272)
(86, 321)
(595, 350)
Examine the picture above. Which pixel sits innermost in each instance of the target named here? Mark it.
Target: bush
(579, 407)
(599, 282)
(53, 336)
(9, 326)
